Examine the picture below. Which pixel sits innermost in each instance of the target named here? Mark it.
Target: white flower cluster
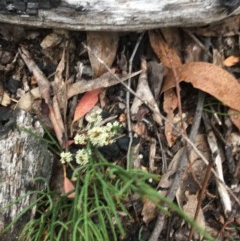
(97, 135)
(94, 117)
(66, 157)
(82, 156)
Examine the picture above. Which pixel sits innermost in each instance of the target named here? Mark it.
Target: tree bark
(125, 15)
(23, 157)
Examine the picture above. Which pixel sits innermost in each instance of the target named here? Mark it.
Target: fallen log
(23, 158)
(125, 15)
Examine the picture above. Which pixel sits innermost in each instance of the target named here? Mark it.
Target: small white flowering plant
(97, 134)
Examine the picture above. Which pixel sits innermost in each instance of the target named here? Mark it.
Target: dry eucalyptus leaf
(169, 105)
(231, 60)
(43, 83)
(104, 45)
(59, 86)
(168, 56)
(214, 81)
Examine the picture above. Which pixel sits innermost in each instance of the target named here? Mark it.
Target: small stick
(129, 153)
(182, 166)
(201, 195)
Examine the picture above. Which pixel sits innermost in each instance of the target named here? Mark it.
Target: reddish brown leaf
(213, 80)
(68, 187)
(86, 103)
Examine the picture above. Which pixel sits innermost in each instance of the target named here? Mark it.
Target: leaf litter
(162, 97)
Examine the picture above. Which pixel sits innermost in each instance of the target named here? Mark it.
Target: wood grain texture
(23, 157)
(125, 15)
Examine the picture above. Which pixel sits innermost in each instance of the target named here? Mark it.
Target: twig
(201, 196)
(129, 153)
(105, 80)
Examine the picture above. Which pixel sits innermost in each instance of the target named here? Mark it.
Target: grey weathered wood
(23, 158)
(125, 15)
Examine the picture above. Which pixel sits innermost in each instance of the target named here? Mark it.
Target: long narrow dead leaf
(60, 94)
(86, 103)
(57, 128)
(169, 105)
(59, 86)
(43, 83)
(168, 56)
(58, 116)
(44, 89)
(221, 186)
(214, 81)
